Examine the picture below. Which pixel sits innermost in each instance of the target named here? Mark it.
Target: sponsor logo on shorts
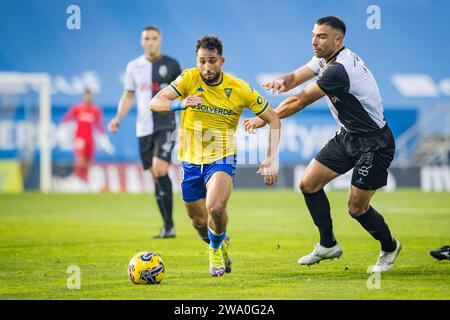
(364, 170)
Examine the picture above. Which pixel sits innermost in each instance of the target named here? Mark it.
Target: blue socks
(215, 240)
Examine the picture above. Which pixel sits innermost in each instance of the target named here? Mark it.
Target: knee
(158, 172)
(199, 222)
(356, 209)
(216, 210)
(307, 187)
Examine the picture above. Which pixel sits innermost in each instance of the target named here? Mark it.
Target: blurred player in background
(211, 104)
(87, 116)
(145, 76)
(365, 141)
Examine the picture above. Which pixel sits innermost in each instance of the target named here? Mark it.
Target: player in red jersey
(87, 116)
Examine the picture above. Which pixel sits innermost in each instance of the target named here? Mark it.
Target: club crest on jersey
(259, 100)
(228, 92)
(200, 89)
(163, 71)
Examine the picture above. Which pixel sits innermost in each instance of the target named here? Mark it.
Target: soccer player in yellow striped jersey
(217, 116)
(211, 103)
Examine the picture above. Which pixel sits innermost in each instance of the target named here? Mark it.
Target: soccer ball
(146, 268)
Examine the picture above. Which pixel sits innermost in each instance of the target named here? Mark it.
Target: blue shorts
(194, 177)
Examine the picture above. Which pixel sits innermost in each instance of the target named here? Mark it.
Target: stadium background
(261, 39)
(42, 236)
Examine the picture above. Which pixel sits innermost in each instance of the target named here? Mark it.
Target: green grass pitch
(41, 235)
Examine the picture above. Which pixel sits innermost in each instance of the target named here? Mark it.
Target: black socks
(374, 223)
(319, 208)
(163, 193)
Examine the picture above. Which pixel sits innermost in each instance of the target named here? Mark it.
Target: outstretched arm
(163, 101)
(269, 167)
(289, 106)
(70, 115)
(290, 80)
(298, 102)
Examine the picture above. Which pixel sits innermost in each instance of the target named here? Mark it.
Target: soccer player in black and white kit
(364, 143)
(144, 77)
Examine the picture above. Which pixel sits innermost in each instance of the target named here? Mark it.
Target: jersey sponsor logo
(215, 110)
(163, 71)
(200, 89)
(86, 117)
(335, 99)
(156, 86)
(228, 92)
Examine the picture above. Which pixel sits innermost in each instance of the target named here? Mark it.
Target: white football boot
(386, 259)
(321, 253)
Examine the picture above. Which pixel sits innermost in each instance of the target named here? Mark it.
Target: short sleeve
(313, 64)
(181, 84)
(129, 83)
(255, 102)
(334, 78)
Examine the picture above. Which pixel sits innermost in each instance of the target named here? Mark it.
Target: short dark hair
(209, 42)
(148, 28)
(88, 91)
(334, 22)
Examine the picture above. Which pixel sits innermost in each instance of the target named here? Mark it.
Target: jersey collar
(217, 84)
(334, 56)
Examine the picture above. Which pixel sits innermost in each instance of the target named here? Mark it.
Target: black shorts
(158, 144)
(370, 156)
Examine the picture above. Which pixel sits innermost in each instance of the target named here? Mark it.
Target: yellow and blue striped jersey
(207, 131)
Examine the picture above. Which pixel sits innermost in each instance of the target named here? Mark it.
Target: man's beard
(324, 53)
(216, 77)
